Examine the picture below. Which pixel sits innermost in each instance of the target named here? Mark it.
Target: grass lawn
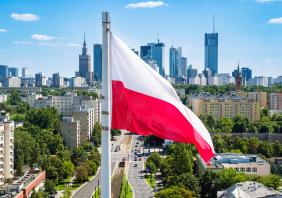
(126, 191)
(151, 180)
(97, 194)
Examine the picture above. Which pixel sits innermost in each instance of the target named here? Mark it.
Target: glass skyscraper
(97, 54)
(175, 55)
(246, 73)
(13, 71)
(211, 52)
(3, 72)
(157, 52)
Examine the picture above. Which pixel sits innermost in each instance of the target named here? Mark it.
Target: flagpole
(106, 109)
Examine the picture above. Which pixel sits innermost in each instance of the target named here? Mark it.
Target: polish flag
(143, 102)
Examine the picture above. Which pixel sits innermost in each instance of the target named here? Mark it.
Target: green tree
(14, 97)
(253, 145)
(174, 192)
(208, 184)
(265, 148)
(79, 156)
(240, 124)
(50, 187)
(151, 167)
(81, 174)
(68, 169)
(225, 125)
(156, 159)
(272, 181)
(96, 134)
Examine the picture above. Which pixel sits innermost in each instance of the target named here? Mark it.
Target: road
(87, 190)
(136, 174)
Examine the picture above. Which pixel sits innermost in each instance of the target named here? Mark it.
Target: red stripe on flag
(146, 115)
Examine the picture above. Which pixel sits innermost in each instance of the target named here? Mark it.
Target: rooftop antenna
(84, 37)
(213, 24)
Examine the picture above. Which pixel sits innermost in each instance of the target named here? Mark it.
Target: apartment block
(225, 106)
(260, 97)
(248, 164)
(70, 131)
(6, 151)
(275, 101)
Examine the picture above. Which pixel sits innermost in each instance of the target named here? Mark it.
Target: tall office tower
(191, 73)
(3, 72)
(157, 52)
(208, 75)
(145, 51)
(13, 72)
(84, 64)
(57, 81)
(175, 62)
(211, 51)
(38, 79)
(246, 74)
(97, 54)
(24, 72)
(184, 64)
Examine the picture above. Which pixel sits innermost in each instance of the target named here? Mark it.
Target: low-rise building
(248, 164)
(248, 189)
(225, 106)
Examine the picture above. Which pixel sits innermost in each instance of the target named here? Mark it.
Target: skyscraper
(13, 72)
(157, 52)
(246, 73)
(57, 81)
(191, 73)
(3, 72)
(211, 51)
(24, 72)
(84, 64)
(184, 64)
(38, 79)
(97, 54)
(175, 61)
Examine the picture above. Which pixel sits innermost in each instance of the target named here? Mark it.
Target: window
(255, 170)
(248, 169)
(242, 169)
(237, 169)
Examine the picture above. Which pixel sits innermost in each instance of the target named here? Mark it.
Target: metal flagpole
(106, 109)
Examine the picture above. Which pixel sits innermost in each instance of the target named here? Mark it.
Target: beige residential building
(260, 97)
(275, 101)
(248, 164)
(70, 131)
(87, 121)
(6, 151)
(225, 106)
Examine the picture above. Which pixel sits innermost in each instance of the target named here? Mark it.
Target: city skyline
(51, 41)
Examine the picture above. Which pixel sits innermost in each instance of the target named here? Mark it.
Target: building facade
(211, 52)
(97, 54)
(225, 106)
(275, 101)
(70, 131)
(3, 72)
(85, 64)
(248, 164)
(12, 82)
(13, 71)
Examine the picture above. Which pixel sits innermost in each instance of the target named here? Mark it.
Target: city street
(136, 174)
(88, 189)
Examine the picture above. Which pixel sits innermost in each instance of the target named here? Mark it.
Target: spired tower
(238, 79)
(85, 64)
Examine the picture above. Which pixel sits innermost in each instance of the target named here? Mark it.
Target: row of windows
(248, 169)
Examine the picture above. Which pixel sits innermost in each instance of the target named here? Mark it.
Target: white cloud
(267, 1)
(270, 61)
(275, 20)
(22, 42)
(42, 37)
(3, 30)
(73, 45)
(146, 4)
(48, 44)
(25, 17)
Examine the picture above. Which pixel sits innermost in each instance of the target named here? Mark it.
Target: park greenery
(239, 124)
(179, 176)
(39, 143)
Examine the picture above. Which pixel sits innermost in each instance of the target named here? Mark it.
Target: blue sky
(46, 35)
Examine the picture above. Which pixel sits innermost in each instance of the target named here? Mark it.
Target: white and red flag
(143, 102)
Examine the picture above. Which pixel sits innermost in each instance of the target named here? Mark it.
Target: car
(136, 145)
(116, 150)
(135, 165)
(140, 158)
(137, 142)
(135, 158)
